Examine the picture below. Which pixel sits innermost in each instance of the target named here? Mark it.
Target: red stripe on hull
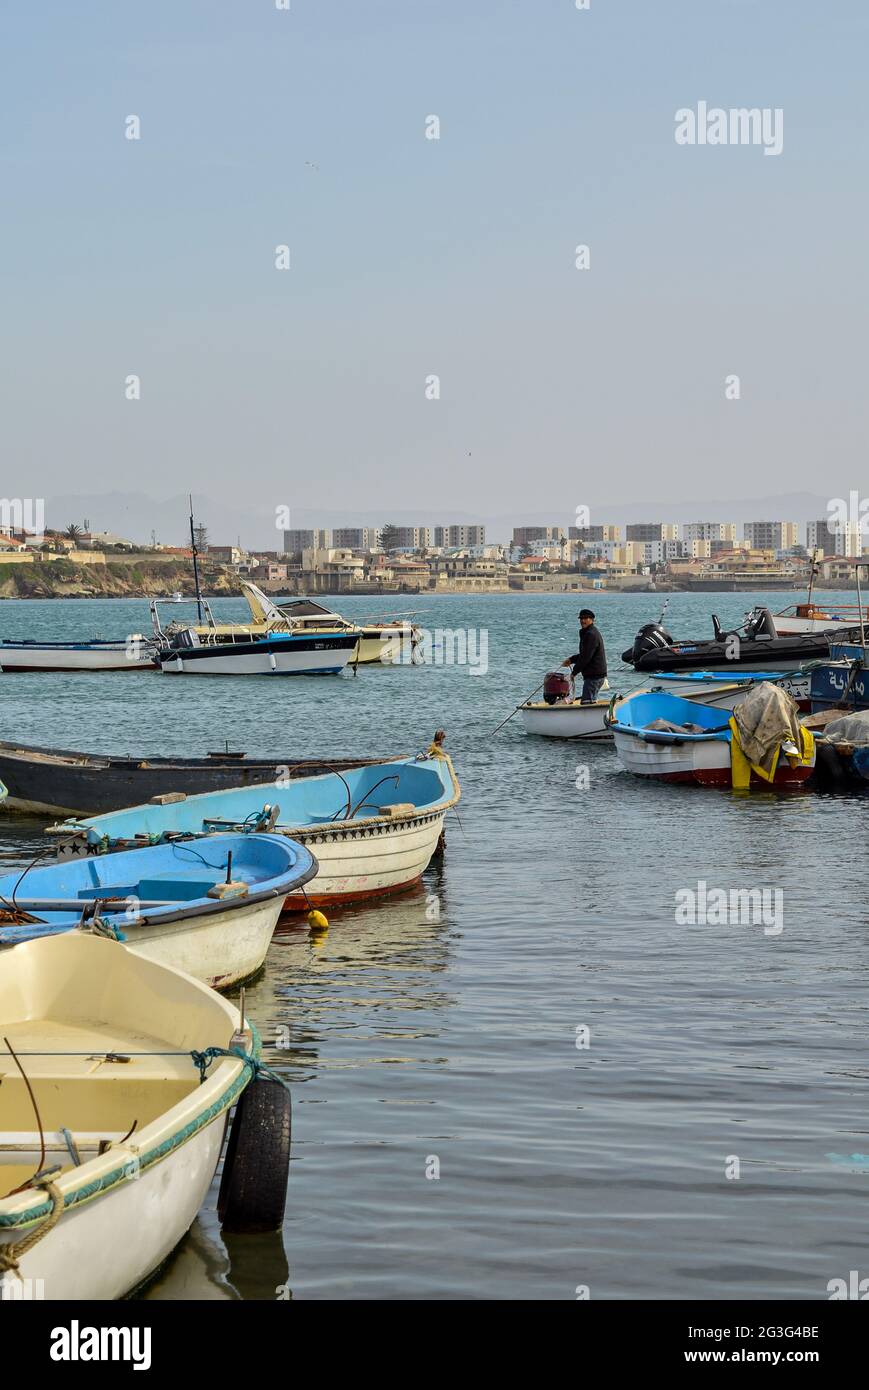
(297, 902)
(721, 777)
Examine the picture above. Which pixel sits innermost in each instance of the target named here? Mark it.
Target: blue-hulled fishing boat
(208, 908)
(676, 740)
(373, 829)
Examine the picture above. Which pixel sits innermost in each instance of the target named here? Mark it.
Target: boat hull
(221, 950)
(61, 782)
(106, 1251)
(574, 721)
(60, 656)
(366, 861)
(386, 646)
(705, 762)
(126, 1208)
(274, 657)
(398, 811)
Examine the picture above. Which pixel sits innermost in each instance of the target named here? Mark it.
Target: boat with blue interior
(209, 908)
(373, 829)
(759, 744)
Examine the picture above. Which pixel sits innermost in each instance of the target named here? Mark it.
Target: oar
(518, 707)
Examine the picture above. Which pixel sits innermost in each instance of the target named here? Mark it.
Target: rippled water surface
(453, 1042)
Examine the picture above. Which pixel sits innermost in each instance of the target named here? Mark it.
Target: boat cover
(851, 728)
(766, 719)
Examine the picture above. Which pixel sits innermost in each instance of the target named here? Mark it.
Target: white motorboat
(275, 654)
(719, 689)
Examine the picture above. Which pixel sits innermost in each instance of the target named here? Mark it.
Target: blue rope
(203, 1061)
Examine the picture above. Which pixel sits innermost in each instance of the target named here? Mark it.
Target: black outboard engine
(651, 637)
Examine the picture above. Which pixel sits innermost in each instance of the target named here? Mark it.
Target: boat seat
(20, 1146)
(78, 1086)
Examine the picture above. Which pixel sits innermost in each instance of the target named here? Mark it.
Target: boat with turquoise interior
(373, 829)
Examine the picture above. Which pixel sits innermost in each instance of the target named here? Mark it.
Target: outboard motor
(650, 637)
(557, 686)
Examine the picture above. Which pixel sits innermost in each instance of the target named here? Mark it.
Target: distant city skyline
(138, 515)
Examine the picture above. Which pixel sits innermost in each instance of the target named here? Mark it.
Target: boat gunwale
(302, 833)
(82, 1192)
(79, 1193)
(189, 908)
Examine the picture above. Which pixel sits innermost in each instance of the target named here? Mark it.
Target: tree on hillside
(200, 537)
(73, 531)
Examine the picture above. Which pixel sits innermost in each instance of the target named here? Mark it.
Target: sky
(413, 258)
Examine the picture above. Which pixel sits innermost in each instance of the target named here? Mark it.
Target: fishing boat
(843, 680)
(815, 617)
(62, 782)
(210, 911)
(663, 736)
(724, 690)
(373, 829)
(101, 1091)
(133, 653)
(754, 646)
(274, 654)
(389, 641)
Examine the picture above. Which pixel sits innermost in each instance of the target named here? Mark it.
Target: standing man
(590, 660)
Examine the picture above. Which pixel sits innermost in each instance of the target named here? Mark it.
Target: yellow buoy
(317, 921)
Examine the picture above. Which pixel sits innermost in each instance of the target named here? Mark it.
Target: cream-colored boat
(97, 1190)
(392, 642)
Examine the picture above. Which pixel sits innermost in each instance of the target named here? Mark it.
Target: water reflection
(210, 1265)
(378, 967)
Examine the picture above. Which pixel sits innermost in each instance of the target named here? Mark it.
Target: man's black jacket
(590, 661)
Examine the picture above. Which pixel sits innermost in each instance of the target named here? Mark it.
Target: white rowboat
(105, 1039)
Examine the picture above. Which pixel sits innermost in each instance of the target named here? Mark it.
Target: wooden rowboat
(168, 902)
(373, 829)
(63, 782)
(674, 740)
(128, 1135)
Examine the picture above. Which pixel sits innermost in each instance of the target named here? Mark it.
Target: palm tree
(73, 531)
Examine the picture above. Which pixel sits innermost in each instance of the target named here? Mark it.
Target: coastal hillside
(64, 579)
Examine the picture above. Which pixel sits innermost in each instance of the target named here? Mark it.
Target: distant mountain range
(138, 517)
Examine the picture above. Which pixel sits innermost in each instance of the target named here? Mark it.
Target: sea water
(527, 1079)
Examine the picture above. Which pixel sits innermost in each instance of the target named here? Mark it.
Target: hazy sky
(412, 257)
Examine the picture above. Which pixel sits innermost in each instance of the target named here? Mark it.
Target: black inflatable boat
(755, 646)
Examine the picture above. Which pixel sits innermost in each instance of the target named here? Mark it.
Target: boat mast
(195, 566)
(813, 570)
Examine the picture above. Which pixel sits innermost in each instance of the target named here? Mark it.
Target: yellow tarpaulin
(741, 769)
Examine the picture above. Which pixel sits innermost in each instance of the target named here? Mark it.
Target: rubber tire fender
(256, 1169)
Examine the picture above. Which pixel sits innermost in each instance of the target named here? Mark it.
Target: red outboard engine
(556, 687)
